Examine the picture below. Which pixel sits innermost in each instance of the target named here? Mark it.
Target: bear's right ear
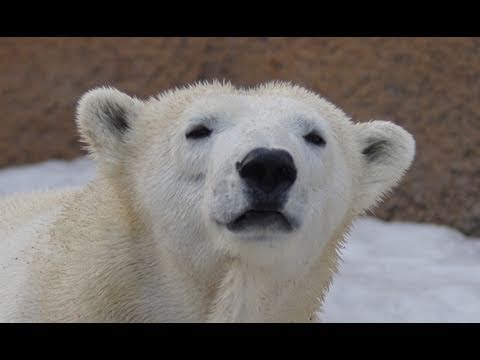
(104, 116)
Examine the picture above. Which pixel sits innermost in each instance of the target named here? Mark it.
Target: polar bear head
(265, 175)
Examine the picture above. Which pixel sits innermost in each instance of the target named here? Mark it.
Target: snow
(406, 272)
(47, 175)
(391, 271)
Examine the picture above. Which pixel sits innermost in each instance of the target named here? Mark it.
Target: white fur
(145, 240)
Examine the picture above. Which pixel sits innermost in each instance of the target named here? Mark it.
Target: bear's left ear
(104, 116)
(387, 151)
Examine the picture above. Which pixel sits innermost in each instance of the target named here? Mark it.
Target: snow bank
(406, 272)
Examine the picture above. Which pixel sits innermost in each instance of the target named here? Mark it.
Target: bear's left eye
(198, 132)
(315, 138)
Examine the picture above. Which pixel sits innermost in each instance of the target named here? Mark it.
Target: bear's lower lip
(260, 219)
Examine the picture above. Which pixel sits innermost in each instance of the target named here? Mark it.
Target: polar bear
(211, 203)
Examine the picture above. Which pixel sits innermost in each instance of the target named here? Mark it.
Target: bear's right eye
(198, 132)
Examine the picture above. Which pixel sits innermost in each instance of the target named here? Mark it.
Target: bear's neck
(249, 294)
(234, 291)
(252, 294)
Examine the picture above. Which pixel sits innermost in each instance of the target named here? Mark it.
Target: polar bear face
(266, 175)
(266, 171)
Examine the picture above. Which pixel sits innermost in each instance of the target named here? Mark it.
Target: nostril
(268, 170)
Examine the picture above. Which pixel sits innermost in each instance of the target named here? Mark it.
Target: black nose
(268, 170)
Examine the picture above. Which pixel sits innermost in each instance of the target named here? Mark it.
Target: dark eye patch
(198, 132)
(315, 139)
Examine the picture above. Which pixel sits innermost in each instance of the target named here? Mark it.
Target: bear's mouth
(261, 219)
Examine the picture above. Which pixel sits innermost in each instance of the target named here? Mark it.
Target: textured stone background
(431, 86)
